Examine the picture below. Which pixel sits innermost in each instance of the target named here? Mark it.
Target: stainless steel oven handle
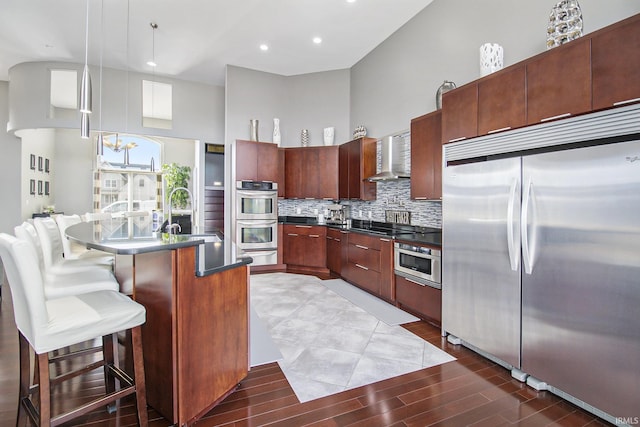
(257, 223)
(257, 194)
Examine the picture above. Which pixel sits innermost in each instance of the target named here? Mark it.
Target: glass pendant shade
(85, 91)
(84, 126)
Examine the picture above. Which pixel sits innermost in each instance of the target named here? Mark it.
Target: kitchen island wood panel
(196, 337)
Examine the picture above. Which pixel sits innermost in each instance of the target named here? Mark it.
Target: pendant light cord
(86, 37)
(101, 52)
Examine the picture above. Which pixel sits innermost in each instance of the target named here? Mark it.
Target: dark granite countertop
(121, 236)
(406, 233)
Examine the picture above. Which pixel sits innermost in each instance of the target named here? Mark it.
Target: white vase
(276, 131)
(491, 58)
(329, 134)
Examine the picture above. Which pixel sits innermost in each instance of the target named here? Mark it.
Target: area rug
(329, 344)
(382, 310)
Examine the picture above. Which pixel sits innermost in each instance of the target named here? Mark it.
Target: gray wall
(398, 80)
(198, 109)
(309, 101)
(10, 185)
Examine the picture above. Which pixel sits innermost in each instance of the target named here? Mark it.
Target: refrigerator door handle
(512, 244)
(527, 250)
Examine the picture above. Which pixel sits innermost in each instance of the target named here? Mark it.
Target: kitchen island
(196, 337)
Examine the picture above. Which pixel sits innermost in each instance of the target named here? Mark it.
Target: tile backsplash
(392, 195)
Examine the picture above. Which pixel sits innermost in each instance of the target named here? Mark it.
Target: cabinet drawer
(365, 279)
(305, 230)
(335, 234)
(367, 241)
(367, 258)
(423, 300)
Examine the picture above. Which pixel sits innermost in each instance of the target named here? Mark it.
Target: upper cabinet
(615, 63)
(426, 157)
(357, 162)
(460, 113)
(559, 82)
(311, 173)
(502, 101)
(256, 161)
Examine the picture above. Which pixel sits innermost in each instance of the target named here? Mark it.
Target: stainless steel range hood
(392, 153)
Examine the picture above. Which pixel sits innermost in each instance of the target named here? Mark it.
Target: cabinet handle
(559, 116)
(385, 240)
(362, 247)
(458, 139)
(303, 226)
(499, 130)
(314, 235)
(362, 267)
(628, 101)
(344, 232)
(337, 240)
(329, 238)
(292, 234)
(420, 198)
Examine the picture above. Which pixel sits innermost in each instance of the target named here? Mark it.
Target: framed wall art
(32, 187)
(39, 188)
(46, 165)
(40, 163)
(46, 188)
(32, 162)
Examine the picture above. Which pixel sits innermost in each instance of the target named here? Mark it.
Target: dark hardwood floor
(469, 391)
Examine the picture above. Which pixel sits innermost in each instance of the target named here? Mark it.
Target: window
(156, 105)
(127, 179)
(63, 94)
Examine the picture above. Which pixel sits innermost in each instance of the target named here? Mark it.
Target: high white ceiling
(195, 39)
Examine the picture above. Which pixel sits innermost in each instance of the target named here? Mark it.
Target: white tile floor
(328, 343)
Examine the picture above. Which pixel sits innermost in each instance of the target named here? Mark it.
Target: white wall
(40, 143)
(398, 80)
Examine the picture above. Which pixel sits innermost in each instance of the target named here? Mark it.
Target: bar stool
(73, 250)
(52, 250)
(66, 278)
(46, 325)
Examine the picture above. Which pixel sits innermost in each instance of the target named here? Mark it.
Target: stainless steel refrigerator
(541, 267)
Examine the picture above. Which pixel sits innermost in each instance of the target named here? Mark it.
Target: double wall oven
(256, 220)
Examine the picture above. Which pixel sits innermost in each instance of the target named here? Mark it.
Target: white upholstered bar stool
(46, 325)
(52, 249)
(71, 249)
(66, 278)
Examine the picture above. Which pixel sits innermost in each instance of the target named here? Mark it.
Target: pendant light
(84, 126)
(85, 88)
(152, 63)
(100, 138)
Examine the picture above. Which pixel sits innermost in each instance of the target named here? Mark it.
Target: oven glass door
(257, 204)
(257, 234)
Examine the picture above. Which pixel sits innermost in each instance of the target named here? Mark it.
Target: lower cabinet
(305, 247)
(369, 265)
(424, 301)
(336, 250)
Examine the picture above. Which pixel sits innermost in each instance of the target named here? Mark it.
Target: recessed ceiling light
(264, 47)
(317, 40)
(351, 1)
(151, 63)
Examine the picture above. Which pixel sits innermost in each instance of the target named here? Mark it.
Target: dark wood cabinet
(334, 251)
(213, 210)
(281, 173)
(256, 161)
(311, 173)
(363, 262)
(305, 247)
(502, 100)
(426, 157)
(357, 161)
(387, 276)
(424, 301)
(559, 82)
(460, 113)
(615, 63)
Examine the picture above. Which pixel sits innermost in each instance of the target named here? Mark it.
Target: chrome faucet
(172, 227)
